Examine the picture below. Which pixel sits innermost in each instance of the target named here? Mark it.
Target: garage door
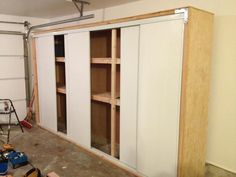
(12, 72)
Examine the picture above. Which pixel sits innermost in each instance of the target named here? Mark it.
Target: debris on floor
(34, 172)
(51, 153)
(9, 157)
(52, 174)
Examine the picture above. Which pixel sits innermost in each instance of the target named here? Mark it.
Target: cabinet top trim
(110, 22)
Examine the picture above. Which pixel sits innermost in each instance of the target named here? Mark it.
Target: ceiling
(51, 8)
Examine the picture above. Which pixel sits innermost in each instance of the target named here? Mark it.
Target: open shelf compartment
(105, 90)
(59, 43)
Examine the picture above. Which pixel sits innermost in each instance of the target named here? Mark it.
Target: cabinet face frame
(193, 31)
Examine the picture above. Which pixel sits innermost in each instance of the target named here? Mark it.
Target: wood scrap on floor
(52, 174)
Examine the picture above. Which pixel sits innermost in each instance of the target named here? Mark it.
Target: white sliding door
(129, 84)
(46, 82)
(78, 87)
(159, 91)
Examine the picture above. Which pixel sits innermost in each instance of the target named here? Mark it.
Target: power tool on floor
(17, 159)
(3, 165)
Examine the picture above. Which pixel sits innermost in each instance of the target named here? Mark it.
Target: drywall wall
(221, 147)
(12, 64)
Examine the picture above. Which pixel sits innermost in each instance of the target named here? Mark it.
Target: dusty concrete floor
(51, 153)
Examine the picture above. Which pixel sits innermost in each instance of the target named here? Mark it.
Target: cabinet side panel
(78, 87)
(46, 82)
(160, 69)
(195, 91)
(129, 84)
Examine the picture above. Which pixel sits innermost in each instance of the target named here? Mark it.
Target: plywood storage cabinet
(132, 90)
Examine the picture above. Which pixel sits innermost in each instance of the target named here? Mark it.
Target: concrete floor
(51, 153)
(213, 171)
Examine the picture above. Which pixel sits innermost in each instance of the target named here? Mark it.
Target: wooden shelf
(106, 98)
(61, 89)
(104, 61)
(60, 59)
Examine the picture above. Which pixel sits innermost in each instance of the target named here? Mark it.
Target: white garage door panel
(20, 107)
(12, 89)
(46, 82)
(160, 70)
(11, 45)
(12, 67)
(78, 87)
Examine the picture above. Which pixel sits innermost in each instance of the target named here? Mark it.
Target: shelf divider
(113, 92)
(61, 89)
(104, 61)
(60, 59)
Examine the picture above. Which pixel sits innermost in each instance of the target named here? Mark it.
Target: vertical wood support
(195, 93)
(35, 77)
(113, 91)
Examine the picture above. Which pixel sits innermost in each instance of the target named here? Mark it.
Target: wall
(222, 112)
(221, 148)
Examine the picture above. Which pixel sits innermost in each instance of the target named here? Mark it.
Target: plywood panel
(195, 93)
(100, 78)
(12, 89)
(11, 45)
(12, 67)
(78, 87)
(35, 79)
(101, 126)
(128, 100)
(159, 97)
(103, 40)
(46, 82)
